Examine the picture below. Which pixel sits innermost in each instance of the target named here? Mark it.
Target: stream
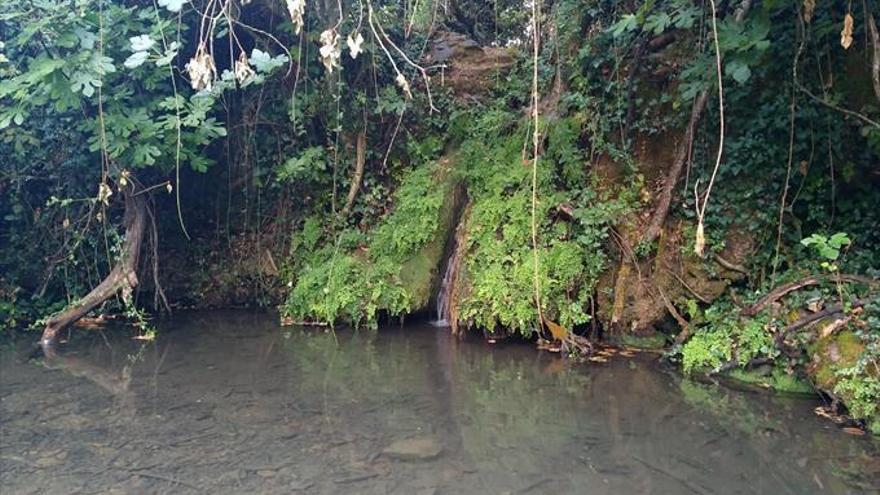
(228, 402)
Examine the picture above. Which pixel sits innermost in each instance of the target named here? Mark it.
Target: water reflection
(228, 403)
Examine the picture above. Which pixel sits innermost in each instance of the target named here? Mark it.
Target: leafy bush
(723, 338)
(499, 262)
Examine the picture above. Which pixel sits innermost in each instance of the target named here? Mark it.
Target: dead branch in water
(123, 276)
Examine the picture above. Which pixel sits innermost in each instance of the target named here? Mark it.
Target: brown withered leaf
(809, 7)
(846, 35)
(559, 332)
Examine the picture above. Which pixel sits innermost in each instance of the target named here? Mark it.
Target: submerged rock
(414, 449)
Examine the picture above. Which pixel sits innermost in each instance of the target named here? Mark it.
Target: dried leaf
(846, 35)
(558, 331)
(201, 69)
(700, 241)
(354, 42)
(809, 7)
(296, 9)
(104, 193)
(853, 431)
(243, 71)
(330, 51)
(404, 85)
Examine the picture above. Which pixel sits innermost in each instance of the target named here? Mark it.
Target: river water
(228, 402)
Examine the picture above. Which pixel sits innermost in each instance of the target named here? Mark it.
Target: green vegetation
(350, 277)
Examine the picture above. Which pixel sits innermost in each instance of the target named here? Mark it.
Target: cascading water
(444, 297)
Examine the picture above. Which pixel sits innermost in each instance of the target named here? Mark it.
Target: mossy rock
(420, 273)
(832, 353)
(646, 340)
(776, 380)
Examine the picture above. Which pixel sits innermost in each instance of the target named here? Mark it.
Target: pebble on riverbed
(414, 449)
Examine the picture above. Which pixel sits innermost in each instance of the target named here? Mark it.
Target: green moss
(352, 277)
(499, 260)
(653, 340)
(777, 380)
(833, 353)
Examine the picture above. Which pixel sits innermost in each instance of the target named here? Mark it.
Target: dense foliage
(245, 123)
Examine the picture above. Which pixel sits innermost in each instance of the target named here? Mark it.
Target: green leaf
(172, 5)
(839, 239)
(169, 55)
(266, 63)
(86, 38)
(739, 71)
(141, 43)
(627, 23)
(135, 60)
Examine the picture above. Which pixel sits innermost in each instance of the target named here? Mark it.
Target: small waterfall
(444, 297)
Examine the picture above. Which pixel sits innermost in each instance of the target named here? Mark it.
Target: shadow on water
(226, 402)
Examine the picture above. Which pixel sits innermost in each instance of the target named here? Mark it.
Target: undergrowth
(348, 276)
(574, 217)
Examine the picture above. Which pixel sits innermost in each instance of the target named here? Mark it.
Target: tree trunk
(122, 277)
(875, 47)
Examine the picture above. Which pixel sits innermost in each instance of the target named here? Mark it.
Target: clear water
(227, 402)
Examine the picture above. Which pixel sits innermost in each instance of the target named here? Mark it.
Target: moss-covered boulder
(351, 277)
(836, 367)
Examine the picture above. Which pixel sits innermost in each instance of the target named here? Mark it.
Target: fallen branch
(783, 290)
(123, 276)
(814, 317)
(690, 289)
(733, 363)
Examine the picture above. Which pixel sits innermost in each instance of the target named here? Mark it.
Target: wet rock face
(414, 449)
(470, 69)
(631, 298)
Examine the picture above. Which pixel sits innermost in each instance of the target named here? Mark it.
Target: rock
(414, 449)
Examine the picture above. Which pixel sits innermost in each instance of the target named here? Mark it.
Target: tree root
(783, 290)
(123, 276)
(358, 172)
